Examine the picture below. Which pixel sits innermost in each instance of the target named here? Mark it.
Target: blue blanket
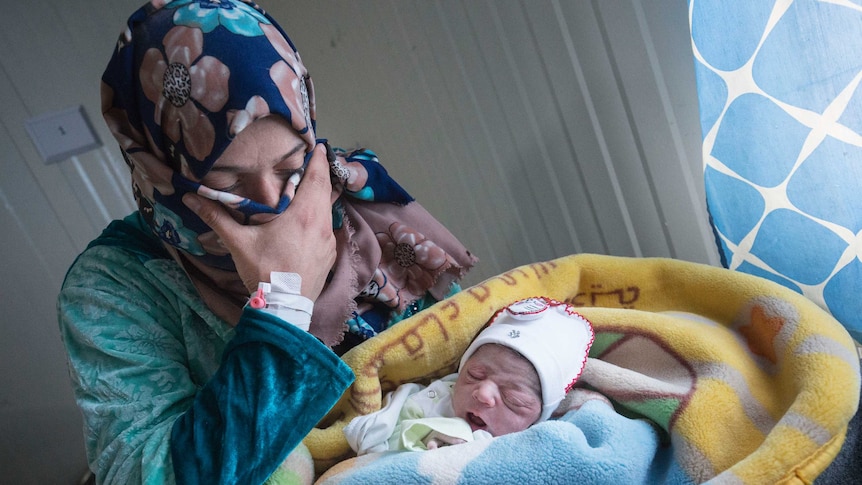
(593, 444)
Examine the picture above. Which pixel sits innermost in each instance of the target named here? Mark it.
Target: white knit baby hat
(550, 334)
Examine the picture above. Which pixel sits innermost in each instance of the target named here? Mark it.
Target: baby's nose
(486, 393)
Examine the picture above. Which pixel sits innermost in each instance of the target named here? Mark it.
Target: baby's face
(498, 391)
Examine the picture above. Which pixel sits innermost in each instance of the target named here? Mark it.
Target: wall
(533, 129)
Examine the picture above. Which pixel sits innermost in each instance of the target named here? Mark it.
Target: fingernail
(330, 155)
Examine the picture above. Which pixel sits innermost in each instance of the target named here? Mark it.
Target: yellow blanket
(747, 380)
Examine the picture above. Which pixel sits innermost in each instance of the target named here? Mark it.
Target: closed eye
(285, 174)
(229, 188)
(474, 374)
(518, 399)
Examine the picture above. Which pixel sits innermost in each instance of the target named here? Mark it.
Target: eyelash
(226, 189)
(474, 376)
(285, 174)
(514, 402)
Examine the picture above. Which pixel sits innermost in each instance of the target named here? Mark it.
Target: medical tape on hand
(281, 298)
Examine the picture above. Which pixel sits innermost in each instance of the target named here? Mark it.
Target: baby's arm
(431, 433)
(370, 433)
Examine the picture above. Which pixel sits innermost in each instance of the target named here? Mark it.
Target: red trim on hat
(570, 309)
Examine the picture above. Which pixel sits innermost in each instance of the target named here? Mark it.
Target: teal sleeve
(274, 384)
(146, 355)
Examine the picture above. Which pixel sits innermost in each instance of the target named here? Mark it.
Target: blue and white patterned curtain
(781, 114)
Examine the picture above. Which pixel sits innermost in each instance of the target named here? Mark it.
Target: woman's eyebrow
(299, 145)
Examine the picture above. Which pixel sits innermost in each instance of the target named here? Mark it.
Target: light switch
(62, 134)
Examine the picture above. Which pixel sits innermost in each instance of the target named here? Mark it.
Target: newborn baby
(514, 374)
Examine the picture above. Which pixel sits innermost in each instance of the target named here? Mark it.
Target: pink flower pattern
(409, 264)
(255, 108)
(293, 83)
(179, 75)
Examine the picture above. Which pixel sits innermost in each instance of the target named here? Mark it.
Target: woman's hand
(298, 241)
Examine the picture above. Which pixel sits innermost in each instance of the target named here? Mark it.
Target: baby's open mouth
(475, 421)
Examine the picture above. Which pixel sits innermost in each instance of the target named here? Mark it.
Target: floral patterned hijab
(185, 78)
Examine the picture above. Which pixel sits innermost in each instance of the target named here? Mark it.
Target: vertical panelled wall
(51, 54)
(533, 129)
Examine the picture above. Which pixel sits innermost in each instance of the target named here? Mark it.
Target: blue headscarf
(186, 77)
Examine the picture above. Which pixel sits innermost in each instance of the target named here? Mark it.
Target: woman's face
(498, 391)
(259, 162)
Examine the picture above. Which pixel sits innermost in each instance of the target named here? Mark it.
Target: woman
(199, 329)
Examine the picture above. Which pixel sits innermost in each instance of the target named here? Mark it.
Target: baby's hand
(436, 440)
